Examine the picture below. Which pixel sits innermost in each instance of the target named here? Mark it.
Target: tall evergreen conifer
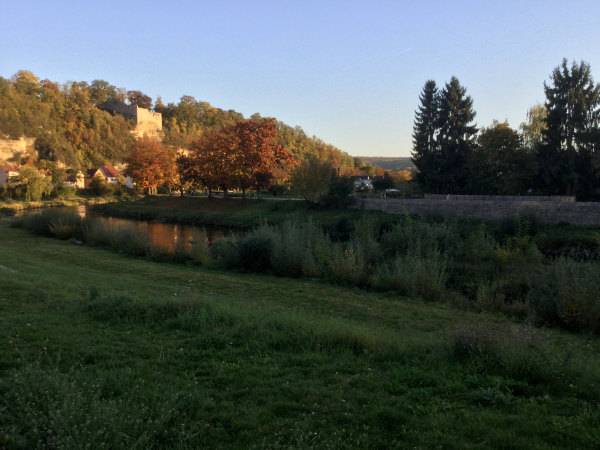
(456, 132)
(425, 154)
(569, 153)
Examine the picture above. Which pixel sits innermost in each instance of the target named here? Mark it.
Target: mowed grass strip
(117, 352)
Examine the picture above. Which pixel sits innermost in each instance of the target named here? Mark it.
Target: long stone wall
(577, 213)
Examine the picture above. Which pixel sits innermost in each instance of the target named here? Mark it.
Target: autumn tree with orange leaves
(151, 164)
(243, 156)
(210, 162)
(259, 159)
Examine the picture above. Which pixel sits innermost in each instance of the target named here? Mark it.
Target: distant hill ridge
(74, 123)
(389, 163)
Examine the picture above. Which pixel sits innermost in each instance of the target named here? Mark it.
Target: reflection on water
(163, 234)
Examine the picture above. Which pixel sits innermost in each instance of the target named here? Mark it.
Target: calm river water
(163, 234)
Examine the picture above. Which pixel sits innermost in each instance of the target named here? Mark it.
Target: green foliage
(146, 359)
(442, 137)
(53, 222)
(484, 267)
(565, 293)
(499, 164)
(255, 251)
(99, 187)
(226, 253)
(64, 121)
(339, 192)
(311, 179)
(414, 274)
(425, 152)
(571, 137)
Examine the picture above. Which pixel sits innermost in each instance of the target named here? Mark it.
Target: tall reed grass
(411, 257)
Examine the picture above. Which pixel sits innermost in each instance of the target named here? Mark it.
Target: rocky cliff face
(13, 150)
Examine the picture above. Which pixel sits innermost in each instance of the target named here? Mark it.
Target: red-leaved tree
(151, 164)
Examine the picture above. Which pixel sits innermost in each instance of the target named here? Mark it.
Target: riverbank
(121, 352)
(234, 212)
(11, 208)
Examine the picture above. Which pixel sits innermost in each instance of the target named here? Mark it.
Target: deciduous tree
(500, 164)
(140, 99)
(311, 178)
(151, 164)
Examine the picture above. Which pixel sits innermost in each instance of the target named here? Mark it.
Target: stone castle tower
(147, 123)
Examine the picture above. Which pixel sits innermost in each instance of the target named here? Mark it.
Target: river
(166, 235)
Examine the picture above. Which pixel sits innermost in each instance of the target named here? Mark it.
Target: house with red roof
(109, 174)
(8, 171)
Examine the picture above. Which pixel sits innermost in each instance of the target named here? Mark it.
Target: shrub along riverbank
(15, 207)
(516, 268)
(119, 352)
(232, 212)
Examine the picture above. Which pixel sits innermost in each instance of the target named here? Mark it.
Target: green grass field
(108, 351)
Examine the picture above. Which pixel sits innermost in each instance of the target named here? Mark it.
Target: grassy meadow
(103, 350)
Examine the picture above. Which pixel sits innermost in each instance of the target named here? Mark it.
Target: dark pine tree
(455, 137)
(425, 154)
(568, 155)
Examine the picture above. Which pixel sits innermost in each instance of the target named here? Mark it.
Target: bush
(343, 265)
(61, 190)
(293, 248)
(565, 293)
(54, 222)
(422, 237)
(255, 250)
(365, 237)
(582, 245)
(96, 234)
(200, 251)
(225, 252)
(414, 275)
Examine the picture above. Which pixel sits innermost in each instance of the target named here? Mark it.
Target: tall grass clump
(343, 265)
(225, 253)
(566, 293)
(123, 239)
(420, 236)
(256, 248)
(293, 248)
(95, 233)
(365, 238)
(53, 222)
(414, 274)
(199, 253)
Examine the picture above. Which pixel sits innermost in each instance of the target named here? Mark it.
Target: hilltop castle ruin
(147, 123)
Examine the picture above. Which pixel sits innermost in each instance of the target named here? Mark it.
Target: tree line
(556, 152)
(244, 155)
(70, 126)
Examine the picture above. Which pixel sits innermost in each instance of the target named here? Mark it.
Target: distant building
(109, 174)
(8, 171)
(363, 184)
(147, 123)
(77, 180)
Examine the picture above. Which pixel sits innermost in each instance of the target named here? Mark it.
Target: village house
(109, 174)
(76, 180)
(8, 171)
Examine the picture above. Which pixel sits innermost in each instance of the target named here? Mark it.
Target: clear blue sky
(349, 72)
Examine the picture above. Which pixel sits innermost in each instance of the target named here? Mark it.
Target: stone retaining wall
(577, 213)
